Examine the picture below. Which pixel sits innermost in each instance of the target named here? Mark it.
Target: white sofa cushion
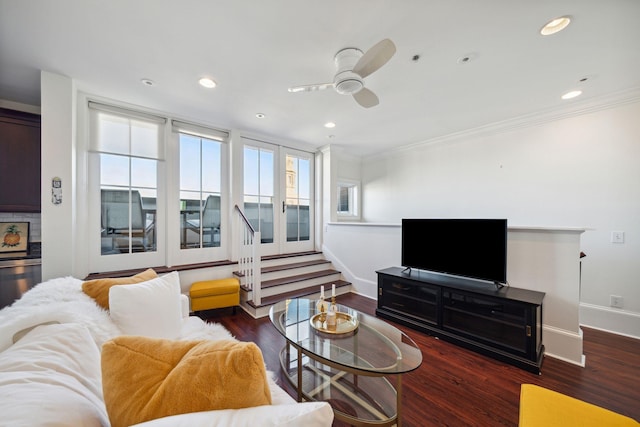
(309, 414)
(152, 308)
(51, 376)
(62, 300)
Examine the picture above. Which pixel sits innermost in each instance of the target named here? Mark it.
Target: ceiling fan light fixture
(329, 125)
(352, 67)
(349, 86)
(347, 83)
(555, 25)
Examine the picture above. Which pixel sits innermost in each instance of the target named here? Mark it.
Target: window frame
(354, 199)
(109, 262)
(176, 254)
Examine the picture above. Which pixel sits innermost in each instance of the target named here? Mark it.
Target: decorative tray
(345, 323)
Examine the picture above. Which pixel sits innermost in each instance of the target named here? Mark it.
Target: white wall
(581, 171)
(58, 107)
(541, 259)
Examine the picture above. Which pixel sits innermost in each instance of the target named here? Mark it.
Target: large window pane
(189, 163)
(200, 186)
(114, 170)
(144, 173)
(128, 211)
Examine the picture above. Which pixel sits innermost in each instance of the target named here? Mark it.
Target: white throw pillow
(150, 309)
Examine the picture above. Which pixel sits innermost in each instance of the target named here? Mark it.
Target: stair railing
(248, 255)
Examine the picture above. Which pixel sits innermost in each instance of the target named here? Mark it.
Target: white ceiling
(256, 49)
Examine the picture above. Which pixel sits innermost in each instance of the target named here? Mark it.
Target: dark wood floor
(456, 387)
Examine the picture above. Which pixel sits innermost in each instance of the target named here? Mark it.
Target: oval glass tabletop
(373, 346)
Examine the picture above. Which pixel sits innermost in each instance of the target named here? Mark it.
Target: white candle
(331, 319)
(333, 290)
(322, 291)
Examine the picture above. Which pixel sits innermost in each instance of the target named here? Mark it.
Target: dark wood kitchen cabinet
(19, 161)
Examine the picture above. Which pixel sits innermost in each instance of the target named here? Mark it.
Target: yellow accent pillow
(98, 289)
(149, 378)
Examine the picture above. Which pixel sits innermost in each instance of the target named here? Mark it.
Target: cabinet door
(411, 299)
(19, 162)
(497, 322)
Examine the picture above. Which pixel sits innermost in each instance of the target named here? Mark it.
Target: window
(298, 198)
(259, 190)
(348, 199)
(148, 210)
(129, 148)
(200, 208)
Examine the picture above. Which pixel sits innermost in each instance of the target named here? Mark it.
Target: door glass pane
(200, 186)
(259, 190)
(298, 191)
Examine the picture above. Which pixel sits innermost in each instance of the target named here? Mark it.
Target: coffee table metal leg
(399, 403)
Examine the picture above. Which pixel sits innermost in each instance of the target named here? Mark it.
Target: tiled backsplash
(35, 229)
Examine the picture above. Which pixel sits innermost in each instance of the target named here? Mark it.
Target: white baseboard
(562, 344)
(608, 319)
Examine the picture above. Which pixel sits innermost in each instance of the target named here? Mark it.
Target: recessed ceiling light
(260, 115)
(207, 82)
(147, 82)
(571, 94)
(555, 25)
(330, 125)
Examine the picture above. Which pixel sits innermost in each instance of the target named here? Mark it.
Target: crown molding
(587, 106)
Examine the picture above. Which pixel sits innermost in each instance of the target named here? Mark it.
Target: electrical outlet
(616, 301)
(617, 237)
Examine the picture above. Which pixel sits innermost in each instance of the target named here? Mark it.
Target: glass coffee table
(348, 366)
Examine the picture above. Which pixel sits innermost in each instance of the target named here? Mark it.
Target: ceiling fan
(352, 67)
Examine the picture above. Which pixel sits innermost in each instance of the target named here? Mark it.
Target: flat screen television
(474, 248)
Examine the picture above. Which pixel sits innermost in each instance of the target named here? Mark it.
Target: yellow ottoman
(211, 294)
(540, 407)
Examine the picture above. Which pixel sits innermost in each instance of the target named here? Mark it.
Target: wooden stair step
(290, 266)
(290, 255)
(297, 278)
(293, 265)
(298, 293)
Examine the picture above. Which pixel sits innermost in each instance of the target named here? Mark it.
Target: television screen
(475, 248)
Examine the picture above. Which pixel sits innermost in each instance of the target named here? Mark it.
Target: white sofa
(50, 373)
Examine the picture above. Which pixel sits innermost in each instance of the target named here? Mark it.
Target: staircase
(292, 276)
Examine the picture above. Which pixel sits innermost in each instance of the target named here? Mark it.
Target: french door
(278, 196)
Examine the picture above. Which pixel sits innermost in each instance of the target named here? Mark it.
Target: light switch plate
(617, 237)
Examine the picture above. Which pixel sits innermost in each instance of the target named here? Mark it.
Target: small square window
(348, 199)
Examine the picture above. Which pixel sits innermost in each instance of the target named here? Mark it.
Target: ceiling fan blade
(375, 58)
(310, 88)
(366, 98)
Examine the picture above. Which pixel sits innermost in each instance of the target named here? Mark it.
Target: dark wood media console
(504, 323)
